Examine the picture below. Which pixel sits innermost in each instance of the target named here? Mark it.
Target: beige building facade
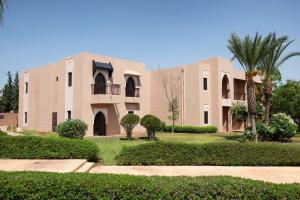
(100, 90)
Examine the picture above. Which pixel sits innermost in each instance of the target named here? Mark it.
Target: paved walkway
(70, 165)
(3, 128)
(269, 174)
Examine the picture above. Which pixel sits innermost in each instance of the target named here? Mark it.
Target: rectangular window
(25, 117)
(1, 116)
(69, 114)
(205, 117)
(26, 87)
(70, 79)
(205, 83)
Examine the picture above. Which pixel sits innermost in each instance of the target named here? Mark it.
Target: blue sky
(155, 32)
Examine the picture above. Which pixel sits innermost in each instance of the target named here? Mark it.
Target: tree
(249, 52)
(152, 124)
(128, 122)
(269, 68)
(15, 103)
(286, 99)
(239, 112)
(171, 85)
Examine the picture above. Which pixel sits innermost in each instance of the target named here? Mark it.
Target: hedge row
(31, 147)
(191, 129)
(2, 133)
(38, 185)
(218, 154)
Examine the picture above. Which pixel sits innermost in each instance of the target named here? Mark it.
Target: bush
(247, 135)
(239, 111)
(284, 127)
(281, 128)
(42, 185)
(191, 129)
(2, 133)
(218, 154)
(128, 122)
(152, 124)
(32, 147)
(73, 128)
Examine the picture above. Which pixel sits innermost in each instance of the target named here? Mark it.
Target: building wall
(7, 119)
(48, 92)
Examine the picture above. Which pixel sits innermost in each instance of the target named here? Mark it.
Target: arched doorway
(99, 124)
(100, 84)
(130, 87)
(225, 87)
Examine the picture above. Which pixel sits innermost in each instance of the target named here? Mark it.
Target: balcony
(112, 89)
(132, 92)
(240, 96)
(108, 94)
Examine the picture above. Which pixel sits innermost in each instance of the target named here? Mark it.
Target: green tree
(15, 105)
(249, 51)
(128, 122)
(286, 99)
(269, 68)
(174, 110)
(7, 94)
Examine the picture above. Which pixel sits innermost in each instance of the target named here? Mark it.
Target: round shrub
(73, 128)
(128, 122)
(265, 132)
(284, 127)
(152, 124)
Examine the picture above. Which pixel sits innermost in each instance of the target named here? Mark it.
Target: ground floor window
(25, 117)
(205, 117)
(69, 114)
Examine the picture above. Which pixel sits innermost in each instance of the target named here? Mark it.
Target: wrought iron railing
(132, 92)
(113, 89)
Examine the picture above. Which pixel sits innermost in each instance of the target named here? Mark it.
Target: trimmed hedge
(2, 133)
(39, 185)
(218, 154)
(32, 147)
(191, 129)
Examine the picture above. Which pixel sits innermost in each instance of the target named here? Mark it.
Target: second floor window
(70, 79)
(130, 87)
(204, 83)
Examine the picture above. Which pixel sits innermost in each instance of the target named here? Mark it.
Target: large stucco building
(100, 90)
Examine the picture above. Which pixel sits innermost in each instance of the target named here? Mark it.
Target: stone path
(68, 165)
(269, 174)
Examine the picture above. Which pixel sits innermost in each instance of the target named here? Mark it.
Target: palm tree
(269, 68)
(249, 52)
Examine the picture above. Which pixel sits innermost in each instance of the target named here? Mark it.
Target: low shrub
(41, 185)
(128, 122)
(191, 129)
(11, 128)
(218, 154)
(2, 133)
(32, 147)
(73, 128)
(152, 124)
(247, 135)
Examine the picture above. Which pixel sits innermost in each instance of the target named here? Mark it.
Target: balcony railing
(113, 89)
(132, 92)
(240, 96)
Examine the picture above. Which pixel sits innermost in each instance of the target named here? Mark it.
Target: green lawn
(111, 146)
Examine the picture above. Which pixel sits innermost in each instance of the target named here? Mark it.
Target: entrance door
(225, 111)
(99, 124)
(54, 121)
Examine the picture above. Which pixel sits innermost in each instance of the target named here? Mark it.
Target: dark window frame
(205, 83)
(130, 112)
(205, 117)
(70, 79)
(1, 116)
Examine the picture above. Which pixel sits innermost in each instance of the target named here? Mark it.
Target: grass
(30, 132)
(110, 147)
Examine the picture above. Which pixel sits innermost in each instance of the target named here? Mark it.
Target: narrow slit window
(25, 117)
(70, 79)
(205, 117)
(205, 83)
(69, 114)
(26, 87)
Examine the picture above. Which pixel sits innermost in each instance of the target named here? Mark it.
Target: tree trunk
(251, 99)
(173, 124)
(267, 99)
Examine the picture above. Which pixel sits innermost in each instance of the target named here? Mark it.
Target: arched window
(99, 124)
(225, 87)
(100, 84)
(130, 87)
